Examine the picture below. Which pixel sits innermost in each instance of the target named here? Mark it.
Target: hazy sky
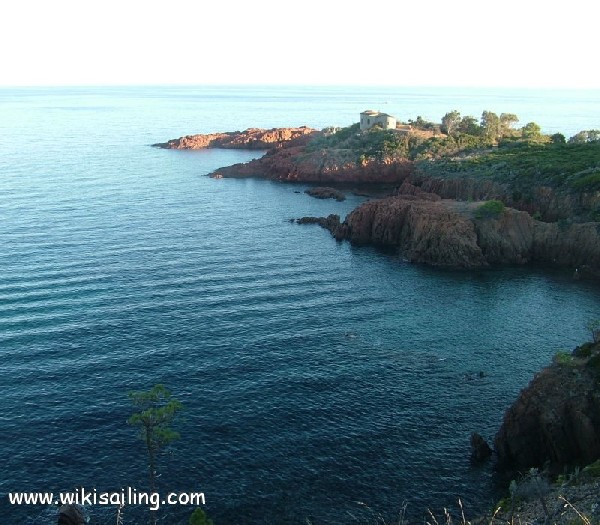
(397, 42)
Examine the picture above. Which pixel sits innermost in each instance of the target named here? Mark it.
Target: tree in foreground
(156, 411)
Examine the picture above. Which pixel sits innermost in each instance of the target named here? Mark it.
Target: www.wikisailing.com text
(124, 497)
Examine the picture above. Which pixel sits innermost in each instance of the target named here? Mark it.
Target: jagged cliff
(430, 230)
(555, 421)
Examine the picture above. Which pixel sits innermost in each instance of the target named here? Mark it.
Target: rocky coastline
(292, 163)
(438, 220)
(428, 218)
(323, 192)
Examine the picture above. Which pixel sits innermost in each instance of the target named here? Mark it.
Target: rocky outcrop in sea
(323, 192)
(449, 233)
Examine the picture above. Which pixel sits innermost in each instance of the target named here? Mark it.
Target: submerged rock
(321, 192)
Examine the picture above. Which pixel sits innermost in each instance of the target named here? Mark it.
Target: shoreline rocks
(292, 163)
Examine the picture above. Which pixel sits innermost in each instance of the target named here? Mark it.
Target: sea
(321, 383)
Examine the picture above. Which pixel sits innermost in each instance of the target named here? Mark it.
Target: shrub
(588, 182)
(592, 470)
(490, 209)
(563, 358)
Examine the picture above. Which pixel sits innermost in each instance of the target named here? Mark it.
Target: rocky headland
(294, 162)
(549, 444)
(251, 139)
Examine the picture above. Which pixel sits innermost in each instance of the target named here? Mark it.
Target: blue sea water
(315, 375)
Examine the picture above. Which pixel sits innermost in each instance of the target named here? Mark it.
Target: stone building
(370, 118)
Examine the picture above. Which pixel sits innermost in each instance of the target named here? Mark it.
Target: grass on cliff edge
(573, 167)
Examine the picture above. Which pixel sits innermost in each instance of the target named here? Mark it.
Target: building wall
(368, 120)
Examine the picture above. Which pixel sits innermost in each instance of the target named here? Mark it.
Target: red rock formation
(448, 233)
(252, 138)
(427, 232)
(410, 189)
(293, 163)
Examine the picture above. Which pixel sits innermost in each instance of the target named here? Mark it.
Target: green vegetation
(531, 486)
(594, 362)
(424, 125)
(572, 166)
(352, 144)
(592, 470)
(520, 159)
(490, 209)
(583, 137)
(563, 358)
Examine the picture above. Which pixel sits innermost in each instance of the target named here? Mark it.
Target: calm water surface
(314, 375)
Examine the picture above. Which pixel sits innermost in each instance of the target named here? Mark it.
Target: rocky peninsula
(292, 156)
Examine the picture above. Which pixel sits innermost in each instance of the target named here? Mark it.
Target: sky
(524, 43)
